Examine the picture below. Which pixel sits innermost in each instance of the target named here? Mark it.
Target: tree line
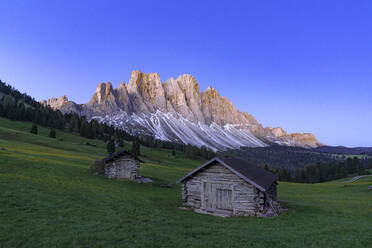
(317, 173)
(19, 106)
(278, 156)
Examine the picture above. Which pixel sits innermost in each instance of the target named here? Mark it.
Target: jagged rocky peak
(62, 104)
(189, 85)
(122, 98)
(305, 139)
(212, 92)
(176, 110)
(190, 88)
(151, 90)
(173, 92)
(103, 92)
(55, 103)
(102, 101)
(278, 131)
(63, 98)
(175, 97)
(250, 119)
(146, 92)
(122, 85)
(221, 110)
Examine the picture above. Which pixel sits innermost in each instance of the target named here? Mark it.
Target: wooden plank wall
(122, 168)
(247, 200)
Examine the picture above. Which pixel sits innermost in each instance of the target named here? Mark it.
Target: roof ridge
(252, 174)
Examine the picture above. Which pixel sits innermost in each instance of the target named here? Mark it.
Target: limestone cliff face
(190, 89)
(122, 98)
(305, 139)
(176, 101)
(56, 103)
(62, 104)
(221, 110)
(145, 96)
(103, 100)
(146, 92)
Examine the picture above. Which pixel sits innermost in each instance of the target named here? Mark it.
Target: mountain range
(177, 111)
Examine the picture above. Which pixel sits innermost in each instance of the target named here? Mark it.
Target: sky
(305, 66)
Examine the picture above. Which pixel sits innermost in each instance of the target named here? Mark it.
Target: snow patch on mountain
(166, 126)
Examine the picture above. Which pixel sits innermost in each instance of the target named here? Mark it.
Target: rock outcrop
(146, 92)
(62, 104)
(122, 98)
(104, 100)
(176, 110)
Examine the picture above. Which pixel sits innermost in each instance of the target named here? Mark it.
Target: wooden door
(224, 199)
(128, 172)
(208, 195)
(217, 196)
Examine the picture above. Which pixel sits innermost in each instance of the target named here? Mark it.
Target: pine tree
(20, 111)
(204, 152)
(1, 109)
(12, 111)
(84, 132)
(361, 169)
(136, 148)
(52, 133)
(111, 146)
(350, 166)
(37, 117)
(75, 123)
(33, 129)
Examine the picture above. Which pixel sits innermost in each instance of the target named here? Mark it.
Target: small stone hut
(121, 165)
(230, 187)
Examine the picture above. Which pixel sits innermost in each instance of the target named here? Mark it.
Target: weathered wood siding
(122, 168)
(216, 188)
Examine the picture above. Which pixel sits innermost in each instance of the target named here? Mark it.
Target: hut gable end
(121, 165)
(217, 187)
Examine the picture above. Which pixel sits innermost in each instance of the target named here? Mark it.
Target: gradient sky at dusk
(303, 65)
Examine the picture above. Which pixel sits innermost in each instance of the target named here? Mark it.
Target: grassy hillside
(49, 198)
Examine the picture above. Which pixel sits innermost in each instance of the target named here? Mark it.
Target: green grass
(49, 198)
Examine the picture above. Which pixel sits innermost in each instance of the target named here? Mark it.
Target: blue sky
(303, 65)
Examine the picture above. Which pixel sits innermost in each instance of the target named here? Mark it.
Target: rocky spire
(134, 92)
(103, 100)
(176, 100)
(190, 89)
(122, 98)
(104, 91)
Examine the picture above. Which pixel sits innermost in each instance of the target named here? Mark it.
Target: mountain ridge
(176, 110)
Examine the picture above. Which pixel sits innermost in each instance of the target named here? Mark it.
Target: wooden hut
(230, 186)
(121, 165)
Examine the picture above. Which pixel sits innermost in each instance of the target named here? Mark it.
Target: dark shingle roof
(115, 155)
(253, 174)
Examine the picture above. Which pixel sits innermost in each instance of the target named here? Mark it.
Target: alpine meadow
(50, 198)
